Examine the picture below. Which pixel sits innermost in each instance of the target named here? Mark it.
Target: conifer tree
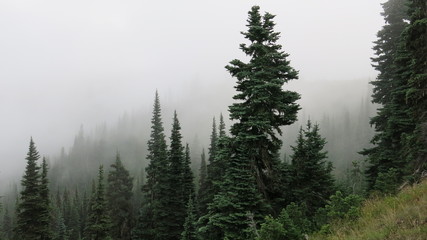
(313, 182)
(99, 223)
(151, 222)
(45, 208)
(222, 132)
(119, 194)
(394, 121)
(30, 204)
(188, 187)
(190, 228)
(7, 225)
(263, 106)
(176, 206)
(416, 95)
(238, 199)
(202, 191)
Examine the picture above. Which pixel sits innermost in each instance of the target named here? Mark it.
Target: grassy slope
(400, 217)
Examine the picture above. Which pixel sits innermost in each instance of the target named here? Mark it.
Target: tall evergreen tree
(151, 222)
(119, 194)
(29, 207)
(176, 213)
(393, 121)
(313, 182)
(263, 106)
(99, 223)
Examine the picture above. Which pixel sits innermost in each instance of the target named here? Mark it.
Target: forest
(135, 181)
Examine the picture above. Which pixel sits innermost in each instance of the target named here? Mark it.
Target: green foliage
(284, 227)
(119, 194)
(344, 207)
(387, 182)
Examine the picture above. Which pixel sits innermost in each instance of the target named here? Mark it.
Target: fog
(64, 64)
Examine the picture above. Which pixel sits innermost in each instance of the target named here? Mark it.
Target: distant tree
(202, 191)
(45, 207)
(7, 226)
(188, 187)
(222, 132)
(99, 223)
(190, 228)
(214, 173)
(29, 208)
(263, 106)
(313, 182)
(119, 194)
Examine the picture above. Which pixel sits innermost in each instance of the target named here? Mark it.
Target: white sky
(67, 63)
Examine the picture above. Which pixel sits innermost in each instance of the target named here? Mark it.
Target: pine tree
(176, 206)
(151, 222)
(99, 223)
(45, 208)
(188, 187)
(222, 132)
(7, 225)
(238, 199)
(218, 155)
(313, 182)
(263, 106)
(29, 206)
(214, 142)
(190, 229)
(202, 191)
(119, 194)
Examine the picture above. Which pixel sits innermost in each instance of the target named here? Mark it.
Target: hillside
(399, 217)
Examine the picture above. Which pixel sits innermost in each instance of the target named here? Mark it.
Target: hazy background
(64, 64)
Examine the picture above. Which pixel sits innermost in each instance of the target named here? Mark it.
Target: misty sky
(68, 63)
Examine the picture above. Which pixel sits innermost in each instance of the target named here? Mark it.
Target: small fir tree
(99, 223)
(119, 194)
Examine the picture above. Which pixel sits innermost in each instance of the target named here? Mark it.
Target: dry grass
(396, 218)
